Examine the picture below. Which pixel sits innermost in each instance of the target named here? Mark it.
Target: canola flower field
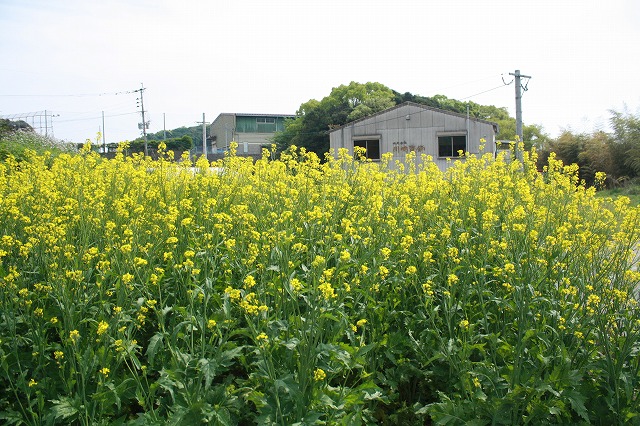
(301, 292)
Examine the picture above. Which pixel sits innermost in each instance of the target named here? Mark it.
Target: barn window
(265, 120)
(372, 147)
(452, 144)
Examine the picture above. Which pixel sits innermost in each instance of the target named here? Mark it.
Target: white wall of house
(413, 127)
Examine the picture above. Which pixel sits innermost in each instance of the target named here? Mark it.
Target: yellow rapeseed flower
(249, 282)
(103, 326)
(295, 283)
(319, 375)
(138, 261)
(233, 293)
(452, 279)
(385, 252)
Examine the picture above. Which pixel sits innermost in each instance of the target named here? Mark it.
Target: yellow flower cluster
(251, 305)
(103, 326)
(319, 374)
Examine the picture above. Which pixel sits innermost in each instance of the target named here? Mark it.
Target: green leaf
(167, 382)
(330, 316)
(11, 417)
(576, 399)
(65, 408)
(291, 343)
(227, 356)
(155, 344)
(208, 370)
(223, 417)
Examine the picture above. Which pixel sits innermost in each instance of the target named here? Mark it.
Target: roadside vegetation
(18, 142)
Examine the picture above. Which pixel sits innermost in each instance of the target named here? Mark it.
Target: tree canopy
(345, 103)
(615, 153)
(8, 126)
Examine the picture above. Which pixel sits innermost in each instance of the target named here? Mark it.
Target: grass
(630, 191)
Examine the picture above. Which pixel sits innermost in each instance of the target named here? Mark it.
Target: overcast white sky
(255, 56)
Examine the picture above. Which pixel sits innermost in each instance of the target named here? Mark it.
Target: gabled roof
(421, 106)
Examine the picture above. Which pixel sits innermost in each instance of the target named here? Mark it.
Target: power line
(464, 84)
(96, 118)
(76, 95)
(495, 88)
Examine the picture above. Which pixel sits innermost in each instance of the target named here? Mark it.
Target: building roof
(421, 106)
(239, 114)
(243, 114)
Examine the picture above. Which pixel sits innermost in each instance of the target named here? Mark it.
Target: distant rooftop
(243, 114)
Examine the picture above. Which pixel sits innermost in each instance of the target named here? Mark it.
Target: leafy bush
(294, 291)
(183, 143)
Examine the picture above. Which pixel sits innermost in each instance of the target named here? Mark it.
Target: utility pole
(204, 136)
(164, 127)
(144, 124)
(52, 116)
(519, 89)
(104, 143)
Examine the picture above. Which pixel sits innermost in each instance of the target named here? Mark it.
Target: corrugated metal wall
(412, 128)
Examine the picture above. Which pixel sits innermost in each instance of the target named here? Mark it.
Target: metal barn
(407, 127)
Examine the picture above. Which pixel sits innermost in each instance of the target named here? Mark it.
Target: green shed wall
(249, 124)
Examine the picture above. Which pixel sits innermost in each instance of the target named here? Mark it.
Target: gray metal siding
(223, 129)
(420, 132)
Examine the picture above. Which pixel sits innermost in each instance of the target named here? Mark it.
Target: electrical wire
(77, 95)
(97, 117)
(495, 88)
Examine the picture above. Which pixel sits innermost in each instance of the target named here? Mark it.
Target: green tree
(314, 119)
(592, 152)
(597, 156)
(626, 146)
(8, 126)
